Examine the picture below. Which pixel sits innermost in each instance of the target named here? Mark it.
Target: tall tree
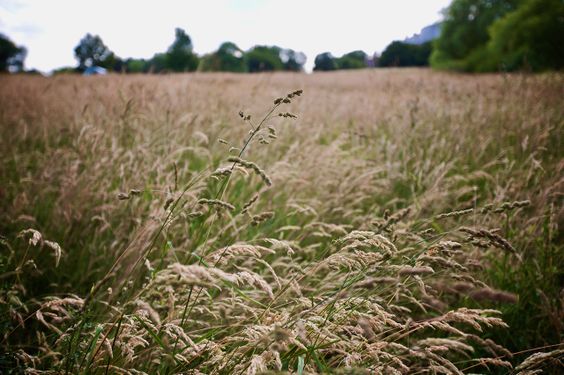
(464, 34)
(180, 56)
(91, 51)
(12, 57)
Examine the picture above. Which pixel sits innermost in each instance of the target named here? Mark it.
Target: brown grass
(372, 232)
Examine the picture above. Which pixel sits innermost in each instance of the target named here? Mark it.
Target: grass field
(407, 221)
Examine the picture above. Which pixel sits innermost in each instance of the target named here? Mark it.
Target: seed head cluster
(383, 247)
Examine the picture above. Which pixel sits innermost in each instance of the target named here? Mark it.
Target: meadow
(379, 221)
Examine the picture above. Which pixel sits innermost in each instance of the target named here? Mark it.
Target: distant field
(397, 225)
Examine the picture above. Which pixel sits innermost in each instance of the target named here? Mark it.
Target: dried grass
(373, 235)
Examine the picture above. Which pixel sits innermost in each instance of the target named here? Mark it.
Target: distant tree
(292, 60)
(529, 37)
(65, 70)
(324, 62)
(231, 57)
(180, 56)
(264, 59)
(91, 51)
(158, 63)
(136, 65)
(352, 60)
(112, 62)
(228, 58)
(209, 63)
(12, 57)
(403, 54)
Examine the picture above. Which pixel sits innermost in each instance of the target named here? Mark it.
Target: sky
(50, 29)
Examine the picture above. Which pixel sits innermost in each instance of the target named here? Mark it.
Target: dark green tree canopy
(91, 51)
(352, 60)
(264, 59)
(489, 35)
(112, 62)
(158, 63)
(11, 56)
(180, 56)
(529, 37)
(228, 58)
(466, 24)
(182, 42)
(403, 54)
(464, 33)
(325, 62)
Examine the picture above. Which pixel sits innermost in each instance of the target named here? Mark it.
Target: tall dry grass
(166, 224)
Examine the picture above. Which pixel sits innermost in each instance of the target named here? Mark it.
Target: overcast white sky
(50, 29)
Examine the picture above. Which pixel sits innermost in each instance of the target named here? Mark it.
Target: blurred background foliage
(492, 35)
(474, 36)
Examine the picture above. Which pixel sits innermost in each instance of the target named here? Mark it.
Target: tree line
(180, 57)
(91, 51)
(476, 36)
